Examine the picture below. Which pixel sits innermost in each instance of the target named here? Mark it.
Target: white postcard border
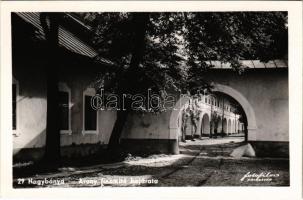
(294, 9)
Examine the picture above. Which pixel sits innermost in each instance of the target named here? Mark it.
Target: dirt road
(201, 163)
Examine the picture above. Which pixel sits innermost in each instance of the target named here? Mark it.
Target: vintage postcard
(114, 97)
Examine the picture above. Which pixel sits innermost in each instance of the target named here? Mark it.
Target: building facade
(262, 92)
(217, 116)
(84, 131)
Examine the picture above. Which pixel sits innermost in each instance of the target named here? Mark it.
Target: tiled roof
(67, 39)
(251, 64)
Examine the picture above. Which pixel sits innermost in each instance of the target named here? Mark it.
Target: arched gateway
(205, 127)
(248, 109)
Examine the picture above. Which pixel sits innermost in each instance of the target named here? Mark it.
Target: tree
(168, 51)
(127, 83)
(50, 24)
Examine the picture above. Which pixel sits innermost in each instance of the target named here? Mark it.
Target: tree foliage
(178, 44)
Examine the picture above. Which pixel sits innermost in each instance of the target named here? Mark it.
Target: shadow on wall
(33, 153)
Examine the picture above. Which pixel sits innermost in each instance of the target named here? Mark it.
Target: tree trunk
(128, 84)
(117, 130)
(52, 144)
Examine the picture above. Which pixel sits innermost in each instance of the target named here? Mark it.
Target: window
(90, 115)
(205, 100)
(15, 96)
(65, 109)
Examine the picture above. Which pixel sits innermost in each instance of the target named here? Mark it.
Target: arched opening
(237, 127)
(248, 121)
(213, 129)
(232, 111)
(229, 126)
(205, 126)
(224, 126)
(245, 122)
(219, 125)
(188, 128)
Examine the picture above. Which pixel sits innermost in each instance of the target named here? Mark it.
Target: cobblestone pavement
(203, 162)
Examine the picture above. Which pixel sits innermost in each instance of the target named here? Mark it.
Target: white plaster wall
(147, 126)
(31, 109)
(32, 105)
(267, 92)
(78, 81)
(31, 123)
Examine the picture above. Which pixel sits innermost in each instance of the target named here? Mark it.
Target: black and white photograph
(149, 99)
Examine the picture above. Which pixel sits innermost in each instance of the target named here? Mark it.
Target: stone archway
(248, 109)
